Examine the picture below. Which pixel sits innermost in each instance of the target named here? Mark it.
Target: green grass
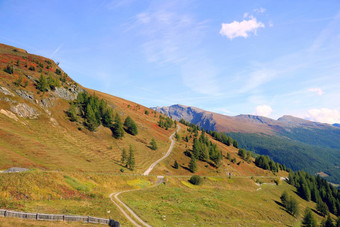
(218, 203)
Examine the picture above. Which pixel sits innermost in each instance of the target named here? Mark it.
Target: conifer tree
(192, 164)
(130, 126)
(42, 83)
(153, 144)
(292, 207)
(124, 156)
(308, 219)
(322, 207)
(131, 159)
(107, 117)
(91, 121)
(284, 198)
(117, 129)
(329, 222)
(176, 165)
(176, 136)
(235, 144)
(72, 112)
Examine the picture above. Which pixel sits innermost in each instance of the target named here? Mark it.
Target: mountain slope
(297, 143)
(73, 170)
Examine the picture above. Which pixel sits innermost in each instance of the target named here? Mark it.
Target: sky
(269, 58)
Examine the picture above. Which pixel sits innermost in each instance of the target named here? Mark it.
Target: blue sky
(269, 58)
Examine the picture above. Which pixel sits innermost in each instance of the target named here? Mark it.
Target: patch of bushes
(196, 180)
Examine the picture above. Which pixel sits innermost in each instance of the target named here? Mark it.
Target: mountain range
(295, 142)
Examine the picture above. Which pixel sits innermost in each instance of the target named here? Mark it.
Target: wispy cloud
(316, 90)
(173, 37)
(56, 50)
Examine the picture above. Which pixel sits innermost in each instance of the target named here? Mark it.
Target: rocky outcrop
(25, 94)
(9, 114)
(47, 102)
(69, 94)
(5, 91)
(25, 111)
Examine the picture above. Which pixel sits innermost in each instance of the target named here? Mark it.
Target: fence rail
(56, 217)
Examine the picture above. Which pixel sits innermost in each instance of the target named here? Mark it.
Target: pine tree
(131, 159)
(124, 156)
(308, 219)
(235, 144)
(284, 198)
(176, 136)
(130, 126)
(42, 83)
(329, 222)
(91, 121)
(322, 207)
(153, 144)
(192, 164)
(292, 207)
(72, 112)
(117, 129)
(176, 165)
(107, 117)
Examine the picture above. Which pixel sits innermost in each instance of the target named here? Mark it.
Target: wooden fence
(57, 217)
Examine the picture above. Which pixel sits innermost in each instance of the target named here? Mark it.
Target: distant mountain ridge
(240, 123)
(295, 142)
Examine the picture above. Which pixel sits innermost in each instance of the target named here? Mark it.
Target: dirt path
(121, 205)
(147, 172)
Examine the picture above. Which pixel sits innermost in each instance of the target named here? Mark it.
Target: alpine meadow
(169, 113)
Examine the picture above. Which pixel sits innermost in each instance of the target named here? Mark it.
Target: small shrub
(32, 68)
(146, 112)
(58, 71)
(195, 180)
(122, 170)
(8, 69)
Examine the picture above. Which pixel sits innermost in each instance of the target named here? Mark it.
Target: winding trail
(147, 172)
(120, 204)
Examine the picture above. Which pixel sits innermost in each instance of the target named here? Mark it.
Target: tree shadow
(186, 168)
(119, 163)
(282, 207)
(187, 153)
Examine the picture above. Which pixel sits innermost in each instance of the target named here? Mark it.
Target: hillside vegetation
(82, 145)
(315, 145)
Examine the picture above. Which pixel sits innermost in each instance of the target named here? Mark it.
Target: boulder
(24, 110)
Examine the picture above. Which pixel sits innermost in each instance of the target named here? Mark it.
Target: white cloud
(263, 110)
(316, 90)
(240, 29)
(324, 115)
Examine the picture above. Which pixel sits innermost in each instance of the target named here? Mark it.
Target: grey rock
(63, 93)
(6, 99)
(25, 94)
(5, 91)
(15, 170)
(47, 102)
(24, 110)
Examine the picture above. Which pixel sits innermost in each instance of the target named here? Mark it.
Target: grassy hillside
(74, 170)
(219, 202)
